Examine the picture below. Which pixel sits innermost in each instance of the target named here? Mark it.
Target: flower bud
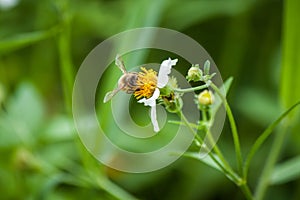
(175, 105)
(194, 73)
(206, 98)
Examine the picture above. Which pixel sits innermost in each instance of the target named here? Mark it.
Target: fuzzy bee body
(127, 81)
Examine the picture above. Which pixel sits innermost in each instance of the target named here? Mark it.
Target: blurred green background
(42, 45)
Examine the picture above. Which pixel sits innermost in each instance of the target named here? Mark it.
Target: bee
(127, 82)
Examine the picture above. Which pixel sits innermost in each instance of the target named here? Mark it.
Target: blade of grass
(261, 139)
(96, 176)
(198, 11)
(287, 171)
(25, 39)
(206, 160)
(218, 158)
(66, 66)
(290, 70)
(214, 162)
(141, 14)
(234, 131)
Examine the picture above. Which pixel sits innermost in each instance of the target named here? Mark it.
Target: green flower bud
(172, 102)
(194, 73)
(174, 106)
(206, 98)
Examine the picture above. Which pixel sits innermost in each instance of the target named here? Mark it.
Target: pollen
(146, 82)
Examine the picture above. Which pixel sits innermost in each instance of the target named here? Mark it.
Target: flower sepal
(195, 73)
(172, 103)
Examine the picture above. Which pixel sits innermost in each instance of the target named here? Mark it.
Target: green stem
(191, 124)
(223, 164)
(233, 129)
(212, 141)
(260, 140)
(66, 65)
(271, 160)
(240, 182)
(245, 189)
(114, 190)
(192, 89)
(289, 70)
(187, 123)
(204, 115)
(221, 157)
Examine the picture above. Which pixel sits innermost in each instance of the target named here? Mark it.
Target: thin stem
(211, 140)
(224, 164)
(260, 140)
(187, 123)
(245, 189)
(233, 129)
(267, 171)
(240, 182)
(113, 189)
(192, 89)
(66, 66)
(204, 115)
(219, 153)
(199, 127)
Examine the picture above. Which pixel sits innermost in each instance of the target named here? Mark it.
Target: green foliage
(287, 171)
(290, 61)
(25, 39)
(43, 43)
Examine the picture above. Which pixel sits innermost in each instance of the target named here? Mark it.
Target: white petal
(152, 100)
(164, 71)
(154, 119)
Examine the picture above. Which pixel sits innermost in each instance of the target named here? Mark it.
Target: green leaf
(25, 39)
(206, 160)
(290, 84)
(25, 114)
(210, 162)
(261, 139)
(287, 171)
(290, 70)
(61, 128)
(261, 106)
(182, 15)
(206, 67)
(228, 84)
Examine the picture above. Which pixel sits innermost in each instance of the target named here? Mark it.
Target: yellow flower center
(146, 82)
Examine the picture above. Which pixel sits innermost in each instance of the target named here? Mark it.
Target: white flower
(162, 80)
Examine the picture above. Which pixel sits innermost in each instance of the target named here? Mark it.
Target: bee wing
(120, 63)
(110, 95)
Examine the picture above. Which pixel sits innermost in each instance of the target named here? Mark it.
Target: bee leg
(110, 95)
